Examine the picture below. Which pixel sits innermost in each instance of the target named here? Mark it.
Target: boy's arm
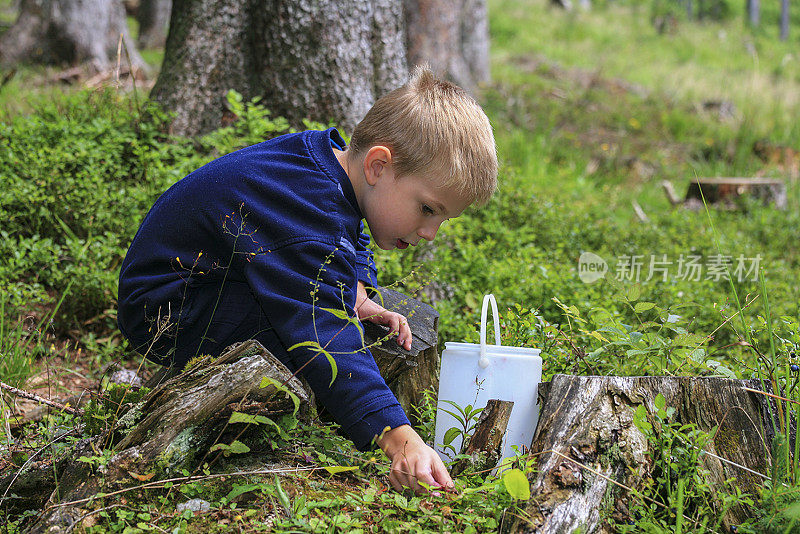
(303, 287)
(369, 310)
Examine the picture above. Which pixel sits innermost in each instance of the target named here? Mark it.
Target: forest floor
(591, 112)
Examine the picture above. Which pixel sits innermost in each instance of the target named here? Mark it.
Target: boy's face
(401, 211)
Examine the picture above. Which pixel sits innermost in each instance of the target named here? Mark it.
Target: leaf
(698, 355)
(598, 336)
(237, 447)
(517, 485)
(643, 306)
(660, 402)
(269, 381)
(640, 420)
(687, 340)
(456, 416)
(312, 344)
(244, 488)
(239, 417)
(450, 435)
(142, 478)
(633, 293)
(334, 367)
(340, 314)
(282, 496)
(333, 469)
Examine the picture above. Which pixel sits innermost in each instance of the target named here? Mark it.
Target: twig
(37, 398)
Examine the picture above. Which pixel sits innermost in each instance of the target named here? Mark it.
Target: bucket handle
(484, 361)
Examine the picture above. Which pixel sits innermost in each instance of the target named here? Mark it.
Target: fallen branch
(32, 396)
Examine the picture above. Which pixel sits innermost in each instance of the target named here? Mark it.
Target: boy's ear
(377, 163)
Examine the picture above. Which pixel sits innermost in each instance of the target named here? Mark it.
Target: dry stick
(42, 400)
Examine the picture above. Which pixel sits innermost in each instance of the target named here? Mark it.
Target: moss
(179, 451)
(727, 441)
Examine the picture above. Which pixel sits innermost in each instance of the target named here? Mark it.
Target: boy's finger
(404, 337)
(441, 475)
(394, 480)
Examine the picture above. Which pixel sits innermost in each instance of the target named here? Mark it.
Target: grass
(591, 111)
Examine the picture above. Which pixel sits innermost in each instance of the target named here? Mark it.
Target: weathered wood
(586, 439)
(484, 446)
(408, 373)
(726, 191)
(174, 426)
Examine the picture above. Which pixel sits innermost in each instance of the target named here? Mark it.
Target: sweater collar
(323, 144)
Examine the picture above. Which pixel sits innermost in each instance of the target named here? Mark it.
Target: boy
(257, 243)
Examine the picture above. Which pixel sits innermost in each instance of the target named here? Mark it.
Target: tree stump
(153, 18)
(172, 428)
(408, 373)
(587, 444)
(728, 191)
(484, 446)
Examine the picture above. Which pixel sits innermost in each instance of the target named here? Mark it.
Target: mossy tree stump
(588, 446)
(408, 373)
(173, 428)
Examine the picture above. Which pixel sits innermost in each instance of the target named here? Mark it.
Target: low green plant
(104, 409)
(677, 496)
(18, 346)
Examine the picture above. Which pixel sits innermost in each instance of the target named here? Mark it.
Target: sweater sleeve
(306, 288)
(365, 264)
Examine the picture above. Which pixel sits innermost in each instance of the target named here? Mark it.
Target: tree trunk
(451, 36)
(69, 31)
(784, 20)
(588, 443)
(754, 12)
(153, 18)
(484, 447)
(323, 60)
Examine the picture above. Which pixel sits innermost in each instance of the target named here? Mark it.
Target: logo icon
(591, 267)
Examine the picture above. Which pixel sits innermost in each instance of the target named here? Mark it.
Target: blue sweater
(282, 217)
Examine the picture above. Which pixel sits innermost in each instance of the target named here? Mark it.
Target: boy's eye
(427, 210)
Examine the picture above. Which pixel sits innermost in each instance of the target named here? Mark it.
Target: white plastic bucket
(472, 374)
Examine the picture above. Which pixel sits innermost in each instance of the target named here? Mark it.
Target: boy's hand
(369, 310)
(413, 461)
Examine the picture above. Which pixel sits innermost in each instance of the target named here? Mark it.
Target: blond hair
(433, 128)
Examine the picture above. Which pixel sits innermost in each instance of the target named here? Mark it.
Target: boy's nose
(428, 233)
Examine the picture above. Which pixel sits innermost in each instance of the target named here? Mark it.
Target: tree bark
(323, 60)
(69, 31)
(153, 18)
(754, 12)
(484, 446)
(784, 20)
(587, 444)
(451, 36)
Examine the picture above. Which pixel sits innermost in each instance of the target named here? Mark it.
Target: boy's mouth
(401, 244)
